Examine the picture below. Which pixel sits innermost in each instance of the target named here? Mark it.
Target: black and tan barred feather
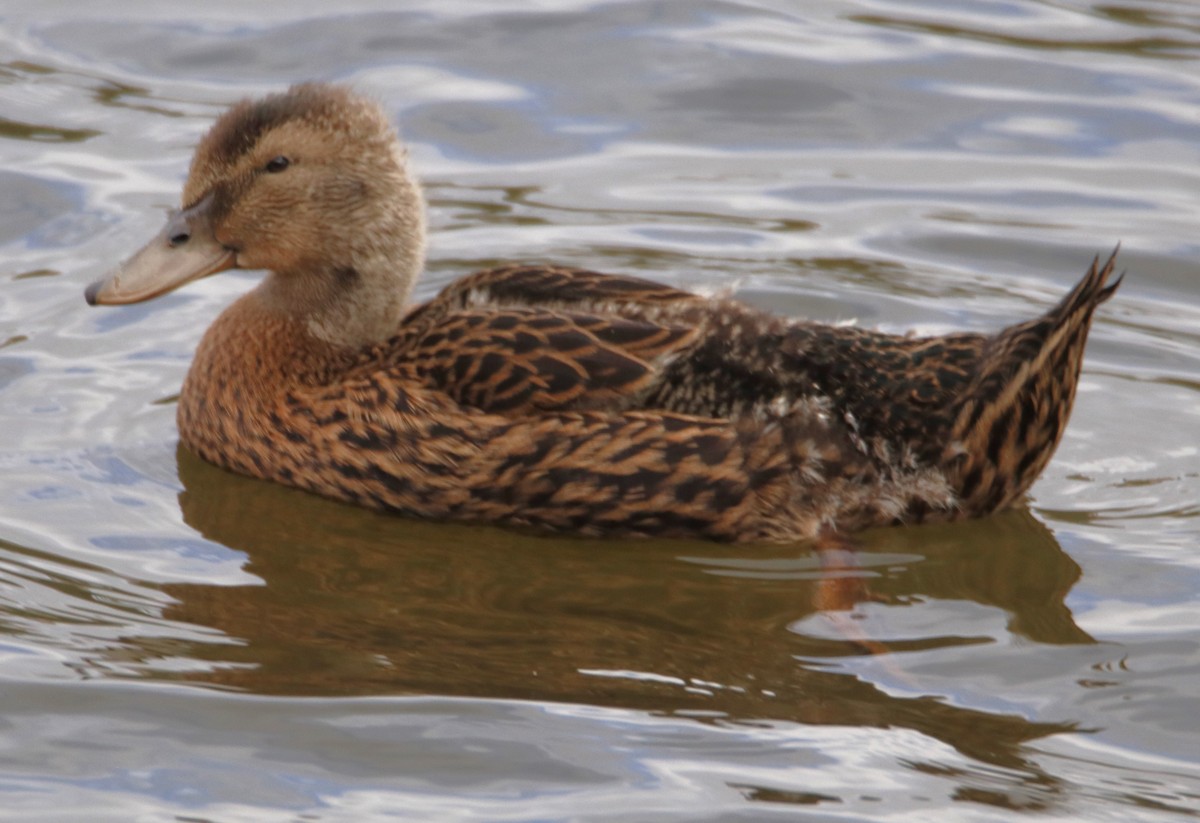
(1011, 416)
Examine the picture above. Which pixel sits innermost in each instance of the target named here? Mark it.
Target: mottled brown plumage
(559, 398)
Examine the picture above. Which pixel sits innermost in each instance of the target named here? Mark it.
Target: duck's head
(311, 185)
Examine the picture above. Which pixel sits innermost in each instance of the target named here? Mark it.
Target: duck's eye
(277, 164)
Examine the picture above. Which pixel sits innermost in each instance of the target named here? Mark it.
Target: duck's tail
(1011, 417)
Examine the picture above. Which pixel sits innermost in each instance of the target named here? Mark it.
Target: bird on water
(560, 398)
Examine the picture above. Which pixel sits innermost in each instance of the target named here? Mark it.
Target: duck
(556, 398)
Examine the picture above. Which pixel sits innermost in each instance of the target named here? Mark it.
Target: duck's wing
(524, 360)
(711, 357)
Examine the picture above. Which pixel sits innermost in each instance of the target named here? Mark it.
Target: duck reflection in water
(358, 603)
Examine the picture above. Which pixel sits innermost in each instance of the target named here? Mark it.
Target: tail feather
(1091, 291)
(1012, 416)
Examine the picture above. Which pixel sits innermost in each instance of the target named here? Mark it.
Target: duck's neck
(347, 306)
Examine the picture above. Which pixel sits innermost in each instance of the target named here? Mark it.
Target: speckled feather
(572, 400)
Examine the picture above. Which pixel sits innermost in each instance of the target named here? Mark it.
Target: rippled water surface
(180, 643)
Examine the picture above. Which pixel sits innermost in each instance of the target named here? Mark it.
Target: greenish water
(180, 643)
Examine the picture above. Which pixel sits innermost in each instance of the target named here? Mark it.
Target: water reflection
(1015, 564)
(1119, 42)
(13, 129)
(355, 603)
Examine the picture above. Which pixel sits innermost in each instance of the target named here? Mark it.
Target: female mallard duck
(560, 398)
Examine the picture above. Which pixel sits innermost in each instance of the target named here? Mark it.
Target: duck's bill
(183, 251)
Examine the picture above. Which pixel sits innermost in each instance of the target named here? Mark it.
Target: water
(179, 643)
